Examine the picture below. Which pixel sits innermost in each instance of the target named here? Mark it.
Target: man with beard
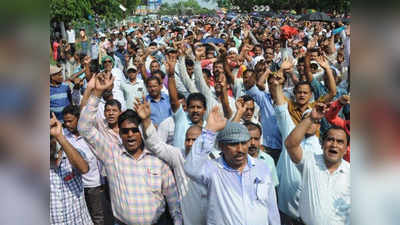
(255, 132)
(240, 189)
(137, 178)
(326, 191)
(94, 191)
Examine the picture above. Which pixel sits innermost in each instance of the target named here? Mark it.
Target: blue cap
(233, 133)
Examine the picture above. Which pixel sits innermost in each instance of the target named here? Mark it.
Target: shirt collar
(251, 162)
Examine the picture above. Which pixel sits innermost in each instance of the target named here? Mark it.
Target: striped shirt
(138, 186)
(59, 99)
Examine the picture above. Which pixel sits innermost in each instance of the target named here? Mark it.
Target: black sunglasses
(126, 130)
(108, 61)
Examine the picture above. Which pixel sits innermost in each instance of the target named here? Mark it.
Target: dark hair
(196, 97)
(154, 61)
(253, 126)
(113, 102)
(301, 60)
(153, 78)
(249, 71)
(181, 96)
(334, 127)
(71, 109)
(130, 115)
(162, 74)
(301, 83)
(189, 62)
(94, 66)
(247, 98)
(206, 71)
(106, 94)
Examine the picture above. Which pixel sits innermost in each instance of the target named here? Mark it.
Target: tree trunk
(63, 33)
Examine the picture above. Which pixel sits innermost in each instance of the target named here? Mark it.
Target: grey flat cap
(233, 133)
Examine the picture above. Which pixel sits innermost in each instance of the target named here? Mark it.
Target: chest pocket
(154, 179)
(262, 191)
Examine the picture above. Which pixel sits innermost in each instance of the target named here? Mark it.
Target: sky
(210, 5)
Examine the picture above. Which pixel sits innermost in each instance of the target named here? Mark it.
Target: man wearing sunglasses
(138, 180)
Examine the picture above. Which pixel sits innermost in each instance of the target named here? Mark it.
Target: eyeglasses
(108, 61)
(126, 130)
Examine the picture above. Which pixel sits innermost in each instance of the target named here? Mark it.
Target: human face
(183, 103)
(300, 68)
(335, 146)
(132, 75)
(57, 78)
(248, 80)
(218, 67)
(191, 136)
(255, 142)
(154, 88)
(108, 65)
(303, 94)
(196, 111)
(257, 51)
(314, 55)
(220, 80)
(235, 154)
(269, 55)
(131, 140)
(190, 70)
(154, 67)
(248, 114)
(111, 113)
(71, 123)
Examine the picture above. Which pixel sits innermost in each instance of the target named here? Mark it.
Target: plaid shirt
(137, 186)
(67, 201)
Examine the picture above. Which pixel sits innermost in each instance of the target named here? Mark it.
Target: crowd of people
(202, 121)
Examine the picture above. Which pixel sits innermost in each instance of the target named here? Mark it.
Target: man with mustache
(240, 188)
(138, 180)
(326, 192)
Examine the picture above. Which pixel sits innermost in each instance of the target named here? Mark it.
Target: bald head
(191, 135)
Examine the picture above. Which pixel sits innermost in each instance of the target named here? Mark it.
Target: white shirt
(193, 195)
(117, 91)
(92, 178)
(71, 36)
(325, 198)
(166, 130)
(131, 91)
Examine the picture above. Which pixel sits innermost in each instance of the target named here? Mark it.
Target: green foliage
(183, 8)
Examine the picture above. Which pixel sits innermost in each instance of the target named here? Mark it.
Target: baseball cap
(54, 69)
(233, 133)
(132, 67)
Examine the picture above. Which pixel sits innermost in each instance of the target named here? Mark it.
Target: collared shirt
(166, 130)
(182, 124)
(92, 177)
(132, 91)
(325, 198)
(117, 91)
(159, 110)
(137, 186)
(67, 200)
(193, 195)
(288, 175)
(234, 197)
(271, 165)
(271, 135)
(59, 99)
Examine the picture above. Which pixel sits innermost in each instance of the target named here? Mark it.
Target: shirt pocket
(262, 192)
(154, 180)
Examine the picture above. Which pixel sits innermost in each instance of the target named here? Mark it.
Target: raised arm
(240, 110)
(323, 62)
(173, 94)
(197, 165)
(73, 155)
(294, 139)
(184, 76)
(307, 67)
(89, 88)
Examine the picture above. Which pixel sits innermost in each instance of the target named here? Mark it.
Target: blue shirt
(59, 99)
(320, 90)
(233, 197)
(159, 110)
(288, 174)
(271, 135)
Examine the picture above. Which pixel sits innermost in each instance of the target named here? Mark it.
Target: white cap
(234, 50)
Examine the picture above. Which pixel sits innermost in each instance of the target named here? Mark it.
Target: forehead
(337, 134)
(196, 102)
(254, 133)
(109, 107)
(69, 116)
(128, 124)
(153, 82)
(249, 103)
(304, 87)
(193, 133)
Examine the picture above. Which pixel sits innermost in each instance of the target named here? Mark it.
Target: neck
(114, 127)
(157, 98)
(332, 167)
(239, 168)
(54, 83)
(200, 123)
(303, 107)
(136, 153)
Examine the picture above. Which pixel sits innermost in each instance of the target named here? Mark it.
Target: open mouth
(333, 152)
(131, 142)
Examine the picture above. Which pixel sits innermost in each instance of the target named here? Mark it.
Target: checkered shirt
(67, 200)
(138, 187)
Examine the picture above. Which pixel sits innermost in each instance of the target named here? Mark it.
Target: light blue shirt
(234, 198)
(271, 135)
(288, 175)
(159, 110)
